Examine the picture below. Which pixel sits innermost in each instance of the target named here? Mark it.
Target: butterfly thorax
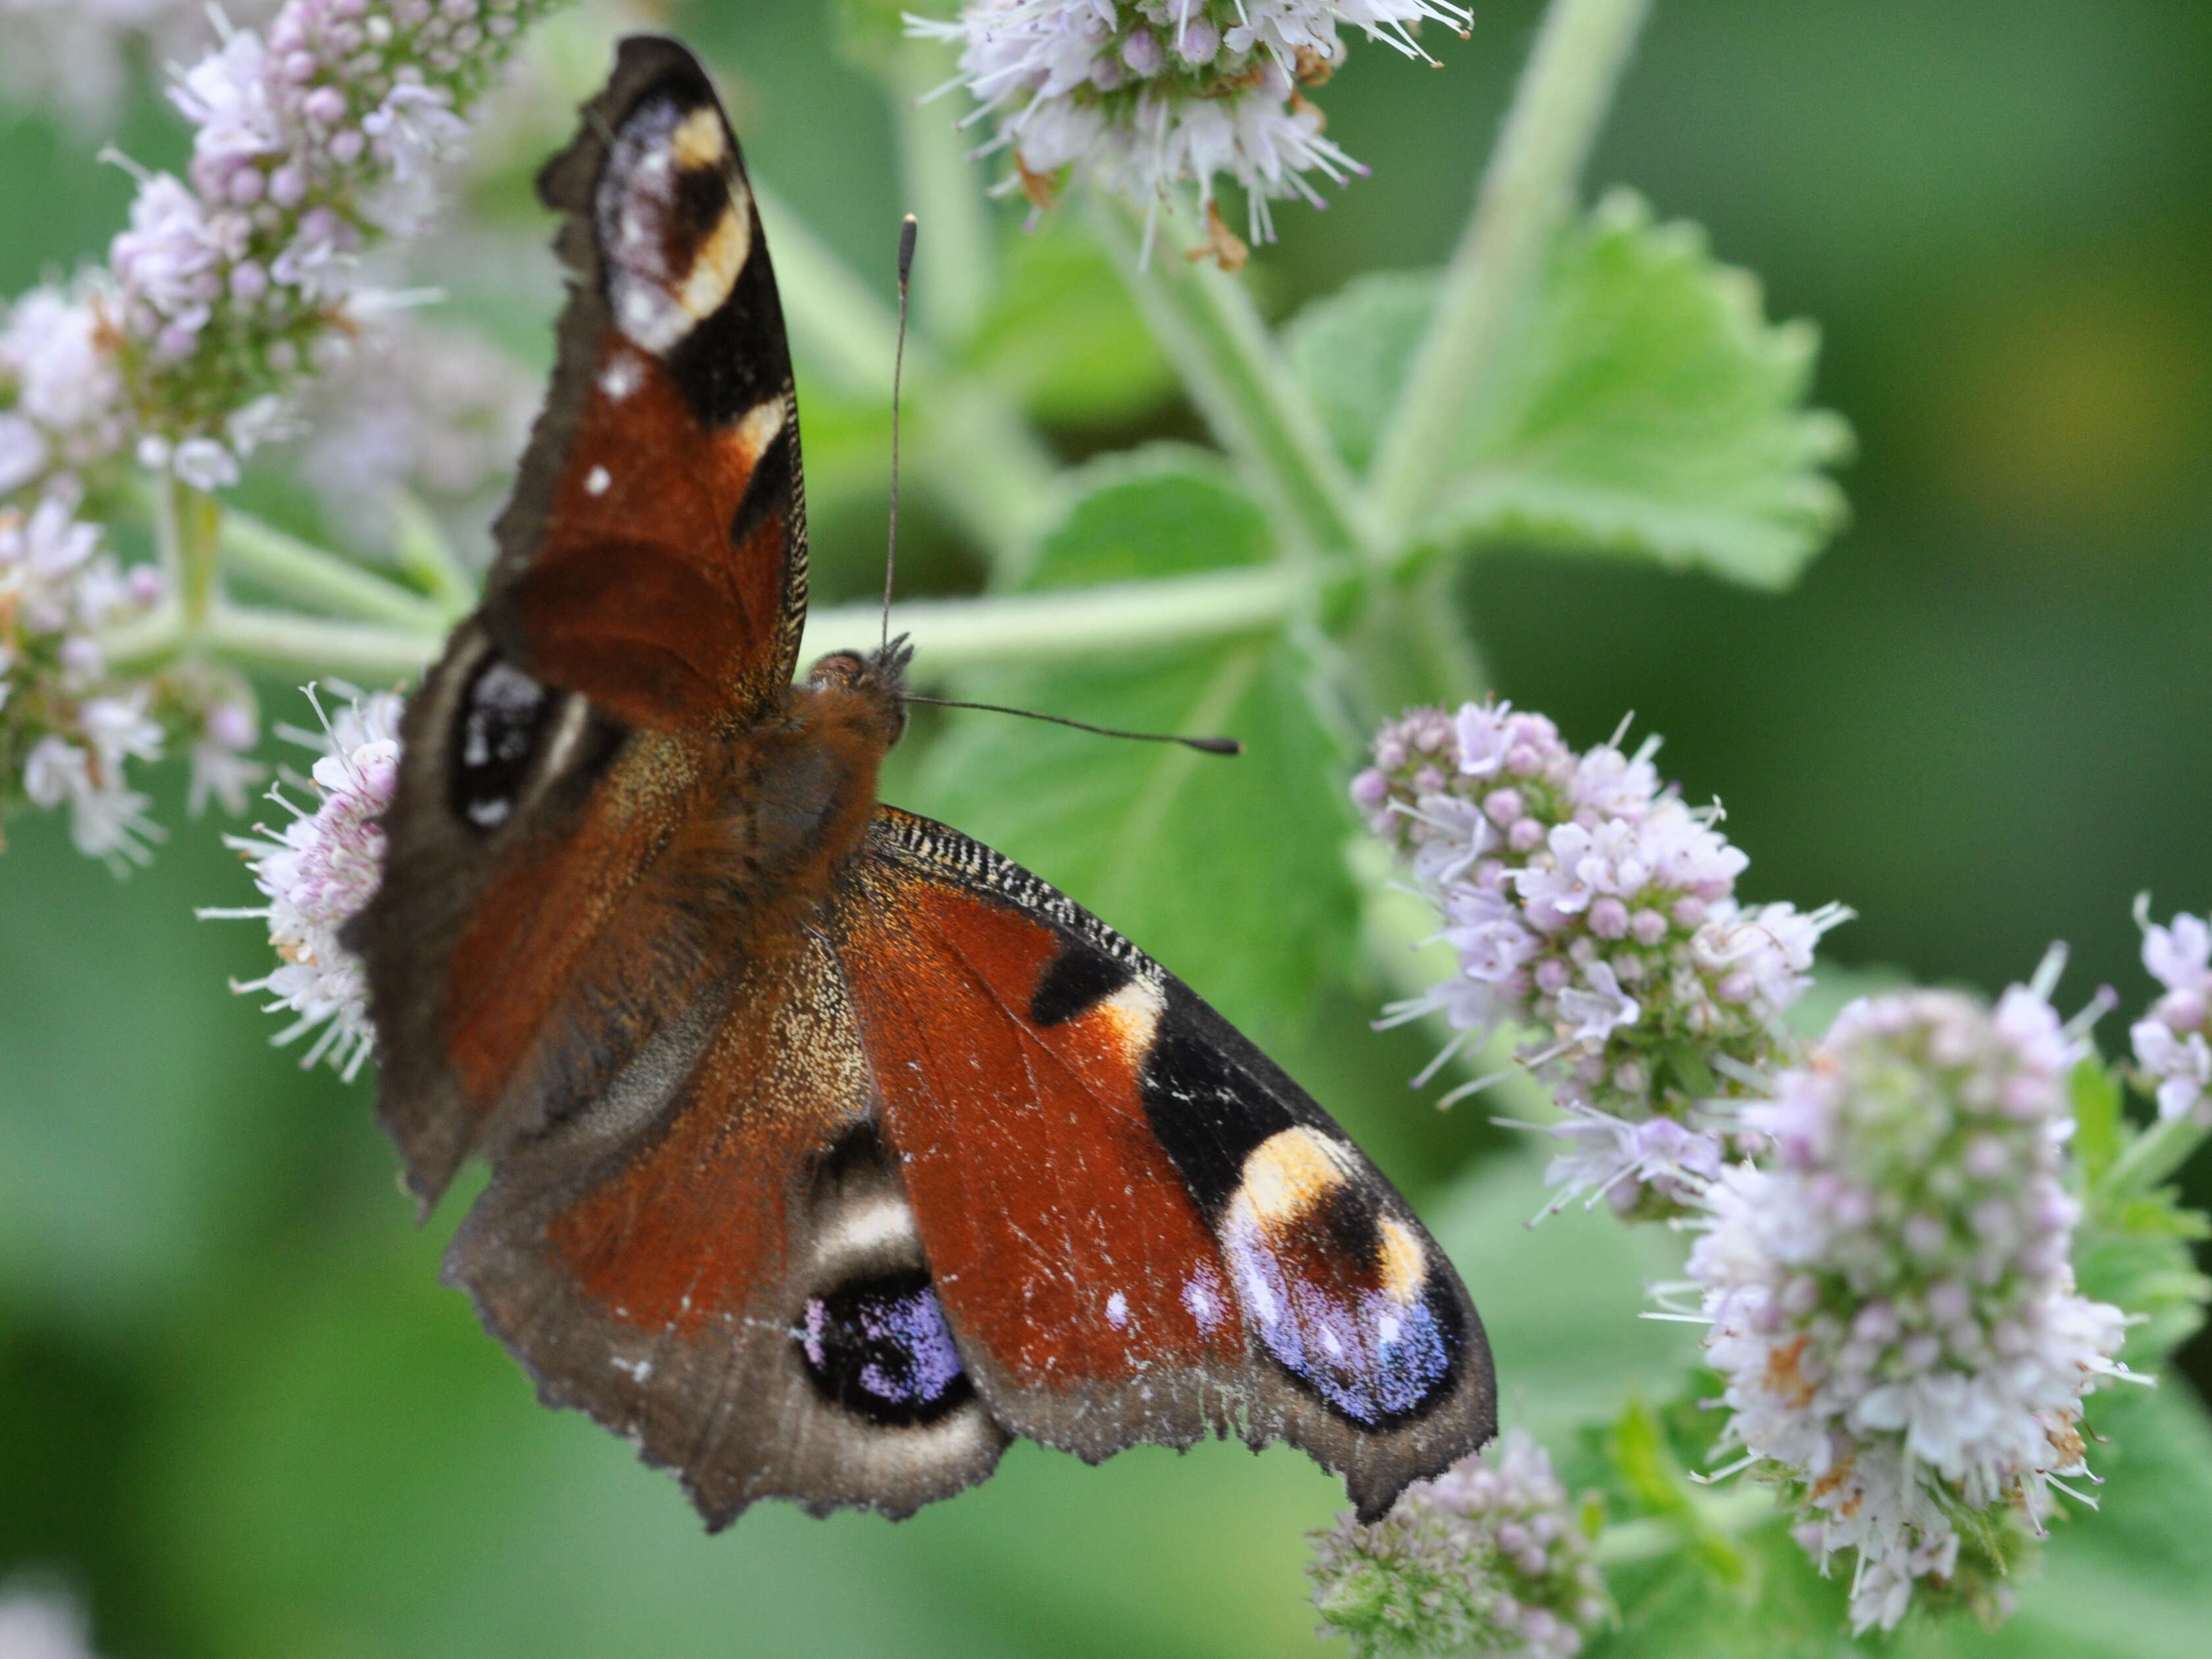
(804, 787)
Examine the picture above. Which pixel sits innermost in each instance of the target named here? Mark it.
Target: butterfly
(830, 1149)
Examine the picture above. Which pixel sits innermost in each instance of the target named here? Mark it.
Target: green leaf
(1352, 349)
(1064, 337)
(1649, 409)
(1228, 871)
(1164, 510)
(2095, 1091)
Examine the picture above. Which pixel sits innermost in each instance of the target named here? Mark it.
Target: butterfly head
(877, 678)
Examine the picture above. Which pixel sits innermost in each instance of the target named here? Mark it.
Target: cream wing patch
(675, 221)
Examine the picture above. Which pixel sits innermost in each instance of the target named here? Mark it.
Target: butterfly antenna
(1204, 745)
(909, 229)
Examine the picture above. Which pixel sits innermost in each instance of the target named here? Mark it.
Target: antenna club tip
(1216, 745)
(909, 227)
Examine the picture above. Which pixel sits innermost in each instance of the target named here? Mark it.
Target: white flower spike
(317, 872)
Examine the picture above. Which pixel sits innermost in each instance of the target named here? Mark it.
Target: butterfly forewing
(647, 597)
(653, 557)
(1167, 1237)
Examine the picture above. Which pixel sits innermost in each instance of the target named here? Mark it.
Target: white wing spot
(596, 481)
(640, 1369)
(1117, 1310)
(621, 377)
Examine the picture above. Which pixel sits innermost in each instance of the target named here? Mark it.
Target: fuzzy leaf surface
(1647, 407)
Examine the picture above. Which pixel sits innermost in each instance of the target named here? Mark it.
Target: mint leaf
(1164, 510)
(1649, 409)
(1227, 870)
(1352, 349)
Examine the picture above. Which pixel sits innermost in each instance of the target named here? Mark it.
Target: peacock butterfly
(830, 1148)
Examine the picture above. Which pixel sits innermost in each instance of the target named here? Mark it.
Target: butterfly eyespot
(880, 1348)
(502, 722)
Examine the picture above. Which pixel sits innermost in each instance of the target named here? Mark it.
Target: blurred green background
(238, 1416)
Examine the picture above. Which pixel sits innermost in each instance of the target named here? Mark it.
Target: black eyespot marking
(1207, 1117)
(702, 196)
(880, 1348)
(770, 487)
(1079, 978)
(724, 365)
(503, 720)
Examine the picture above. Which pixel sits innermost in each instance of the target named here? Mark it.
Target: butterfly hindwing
(560, 888)
(718, 1261)
(1140, 1228)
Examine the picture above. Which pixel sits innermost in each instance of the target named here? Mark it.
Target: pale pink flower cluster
(234, 283)
(1491, 1557)
(1890, 1300)
(317, 874)
(1143, 94)
(2170, 1041)
(69, 728)
(60, 390)
(1586, 902)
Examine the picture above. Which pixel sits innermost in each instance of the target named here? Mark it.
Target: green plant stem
(974, 450)
(284, 642)
(1022, 627)
(2152, 1156)
(1526, 194)
(1205, 322)
(311, 575)
(426, 555)
(1032, 628)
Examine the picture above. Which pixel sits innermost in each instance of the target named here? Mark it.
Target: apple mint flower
(234, 284)
(1587, 904)
(1891, 1300)
(61, 391)
(2170, 1041)
(1489, 1557)
(69, 730)
(1141, 96)
(317, 872)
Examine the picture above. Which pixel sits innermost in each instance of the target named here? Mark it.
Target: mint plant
(1915, 1266)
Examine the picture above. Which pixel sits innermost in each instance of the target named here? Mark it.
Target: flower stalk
(1526, 195)
(1228, 362)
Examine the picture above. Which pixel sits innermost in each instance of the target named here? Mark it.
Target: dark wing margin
(1141, 1229)
(653, 555)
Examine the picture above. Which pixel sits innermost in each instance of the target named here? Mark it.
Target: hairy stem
(1219, 344)
(1023, 627)
(1526, 195)
(1030, 628)
(311, 576)
(277, 641)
